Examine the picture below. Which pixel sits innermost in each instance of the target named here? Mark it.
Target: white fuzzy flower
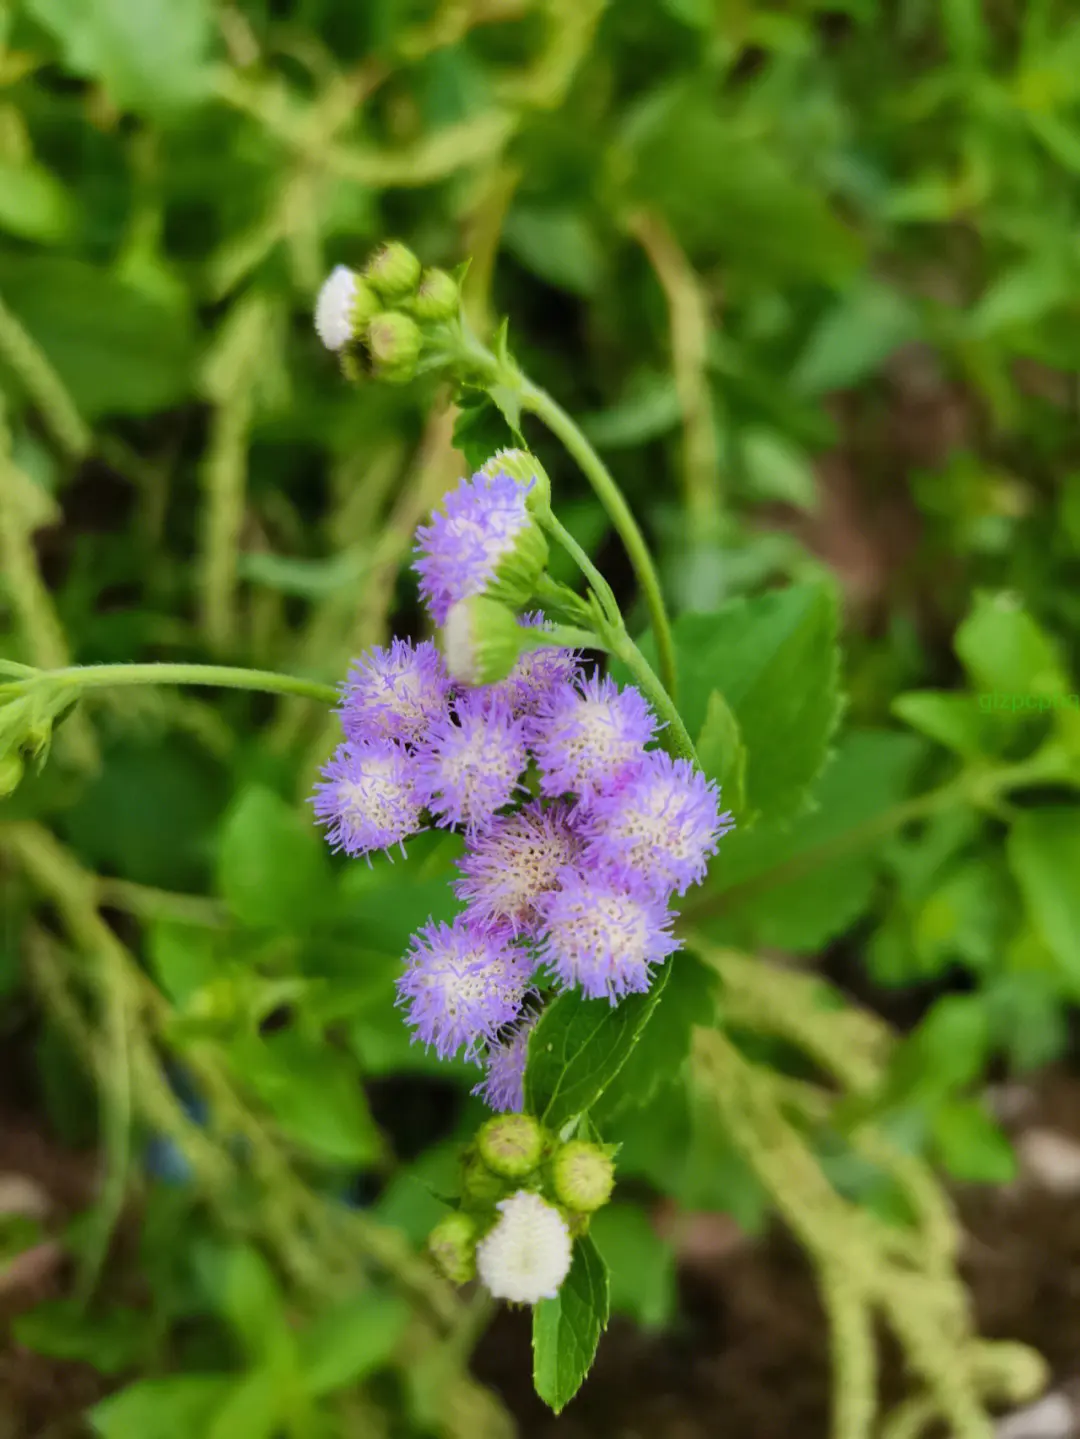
(527, 1255)
(458, 647)
(334, 307)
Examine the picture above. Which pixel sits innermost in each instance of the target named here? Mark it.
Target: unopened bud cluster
(525, 1199)
(381, 313)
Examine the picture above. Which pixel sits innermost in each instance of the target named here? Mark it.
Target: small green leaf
(579, 1046)
(854, 339)
(558, 245)
(479, 430)
(722, 754)
(1003, 648)
(272, 866)
(954, 720)
(1019, 297)
(345, 1344)
(253, 1408)
(971, 1146)
(111, 1340)
(181, 958)
(33, 204)
(567, 1329)
(174, 1408)
(1044, 853)
(778, 470)
(648, 409)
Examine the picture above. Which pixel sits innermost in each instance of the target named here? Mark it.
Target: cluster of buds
(525, 1198)
(380, 315)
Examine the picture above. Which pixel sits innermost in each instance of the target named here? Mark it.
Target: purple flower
(463, 546)
(662, 824)
(603, 936)
(470, 763)
(503, 1086)
(395, 693)
(590, 736)
(519, 858)
(367, 799)
(462, 985)
(536, 674)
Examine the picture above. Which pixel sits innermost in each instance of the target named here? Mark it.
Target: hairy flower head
(469, 765)
(462, 985)
(526, 1256)
(367, 799)
(343, 308)
(510, 867)
(603, 936)
(503, 1086)
(590, 736)
(481, 531)
(537, 673)
(395, 693)
(662, 825)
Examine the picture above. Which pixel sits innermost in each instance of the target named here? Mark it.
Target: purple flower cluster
(577, 834)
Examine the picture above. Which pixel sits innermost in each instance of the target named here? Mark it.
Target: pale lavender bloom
(464, 544)
(604, 936)
(590, 736)
(367, 799)
(469, 765)
(662, 824)
(462, 985)
(536, 674)
(507, 869)
(395, 693)
(503, 1086)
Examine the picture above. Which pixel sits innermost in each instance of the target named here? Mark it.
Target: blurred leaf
(1020, 296)
(649, 408)
(971, 1146)
(578, 1047)
(1003, 648)
(344, 1345)
(566, 1330)
(182, 959)
(946, 1051)
(641, 1267)
(252, 1409)
(954, 720)
(111, 1340)
(854, 339)
(173, 1408)
(152, 56)
(33, 204)
(557, 245)
(777, 470)
(272, 866)
(1044, 853)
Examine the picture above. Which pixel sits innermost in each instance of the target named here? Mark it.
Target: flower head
(481, 640)
(395, 693)
(484, 530)
(344, 306)
(662, 824)
(537, 673)
(582, 1176)
(527, 1255)
(367, 799)
(461, 985)
(589, 737)
(519, 859)
(469, 765)
(603, 936)
(503, 1086)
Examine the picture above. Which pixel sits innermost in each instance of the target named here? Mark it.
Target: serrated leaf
(722, 754)
(567, 1329)
(578, 1047)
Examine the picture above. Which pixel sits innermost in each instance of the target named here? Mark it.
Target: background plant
(184, 480)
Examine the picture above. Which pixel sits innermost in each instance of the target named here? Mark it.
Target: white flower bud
(526, 1256)
(481, 641)
(345, 305)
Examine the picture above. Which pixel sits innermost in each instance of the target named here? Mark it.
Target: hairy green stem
(96, 677)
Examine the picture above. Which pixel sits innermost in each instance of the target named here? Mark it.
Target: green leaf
(722, 754)
(253, 1408)
(1044, 853)
(954, 720)
(313, 1092)
(567, 1329)
(248, 1296)
(181, 958)
(641, 1267)
(854, 339)
(1018, 297)
(479, 430)
(111, 1340)
(33, 204)
(795, 885)
(945, 1052)
(648, 409)
(578, 1047)
(152, 56)
(971, 1146)
(117, 349)
(778, 470)
(272, 867)
(173, 1408)
(345, 1344)
(558, 245)
(774, 660)
(1002, 648)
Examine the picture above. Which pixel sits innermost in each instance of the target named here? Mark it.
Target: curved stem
(541, 404)
(95, 677)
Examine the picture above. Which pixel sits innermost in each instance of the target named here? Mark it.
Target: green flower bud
(11, 772)
(511, 1145)
(393, 342)
(479, 1187)
(481, 641)
(583, 1176)
(437, 298)
(452, 1245)
(524, 466)
(393, 271)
